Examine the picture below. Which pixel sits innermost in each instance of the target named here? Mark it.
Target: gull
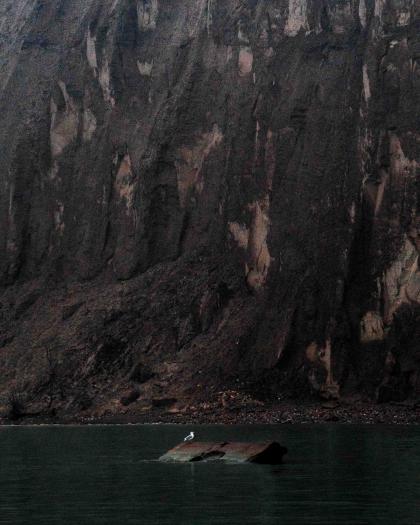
(190, 437)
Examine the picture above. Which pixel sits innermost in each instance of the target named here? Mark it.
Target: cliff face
(198, 190)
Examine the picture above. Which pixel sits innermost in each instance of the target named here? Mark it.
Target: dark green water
(97, 475)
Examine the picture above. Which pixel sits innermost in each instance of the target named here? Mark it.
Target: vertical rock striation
(226, 186)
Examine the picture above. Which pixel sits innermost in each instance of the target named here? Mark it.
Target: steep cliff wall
(198, 190)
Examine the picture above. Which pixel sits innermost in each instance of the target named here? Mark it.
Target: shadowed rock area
(205, 195)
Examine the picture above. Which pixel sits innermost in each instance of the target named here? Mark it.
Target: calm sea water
(109, 475)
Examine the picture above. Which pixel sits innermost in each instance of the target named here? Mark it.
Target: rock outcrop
(269, 453)
(209, 191)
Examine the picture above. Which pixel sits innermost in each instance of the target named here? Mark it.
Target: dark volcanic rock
(230, 187)
(164, 402)
(140, 373)
(70, 309)
(130, 397)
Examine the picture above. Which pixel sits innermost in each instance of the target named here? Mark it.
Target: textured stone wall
(273, 145)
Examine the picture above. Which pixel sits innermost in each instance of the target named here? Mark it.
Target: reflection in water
(109, 475)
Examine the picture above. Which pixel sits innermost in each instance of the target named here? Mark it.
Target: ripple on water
(332, 474)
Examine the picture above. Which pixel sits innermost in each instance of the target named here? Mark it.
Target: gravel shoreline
(282, 413)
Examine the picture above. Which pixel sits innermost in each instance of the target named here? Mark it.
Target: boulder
(270, 452)
(130, 397)
(164, 402)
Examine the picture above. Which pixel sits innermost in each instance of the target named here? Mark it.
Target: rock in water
(270, 453)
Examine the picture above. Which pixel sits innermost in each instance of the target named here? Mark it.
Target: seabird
(190, 437)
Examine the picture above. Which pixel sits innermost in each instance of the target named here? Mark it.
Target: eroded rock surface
(269, 453)
(227, 189)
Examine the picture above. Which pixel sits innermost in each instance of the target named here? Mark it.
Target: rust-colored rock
(269, 453)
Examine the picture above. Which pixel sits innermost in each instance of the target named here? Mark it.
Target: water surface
(109, 475)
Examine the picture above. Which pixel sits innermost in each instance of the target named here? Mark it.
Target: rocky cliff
(195, 193)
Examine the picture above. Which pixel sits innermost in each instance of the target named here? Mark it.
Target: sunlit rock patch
(190, 162)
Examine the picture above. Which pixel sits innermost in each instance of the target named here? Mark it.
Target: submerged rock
(269, 453)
